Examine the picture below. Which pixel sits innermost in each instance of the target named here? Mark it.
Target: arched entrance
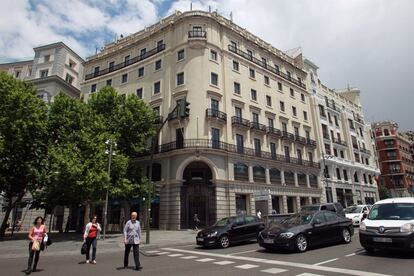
(198, 195)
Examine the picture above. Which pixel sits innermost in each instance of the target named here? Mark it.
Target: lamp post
(325, 171)
(111, 144)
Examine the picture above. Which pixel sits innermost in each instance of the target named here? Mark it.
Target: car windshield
(298, 219)
(310, 208)
(392, 211)
(353, 209)
(224, 222)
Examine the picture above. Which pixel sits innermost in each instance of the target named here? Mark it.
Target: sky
(361, 43)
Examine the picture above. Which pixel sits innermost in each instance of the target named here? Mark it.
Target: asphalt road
(244, 259)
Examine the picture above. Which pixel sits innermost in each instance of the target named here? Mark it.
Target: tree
(23, 142)
(384, 193)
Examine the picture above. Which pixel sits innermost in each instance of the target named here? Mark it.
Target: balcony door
(215, 138)
(214, 107)
(239, 143)
(179, 140)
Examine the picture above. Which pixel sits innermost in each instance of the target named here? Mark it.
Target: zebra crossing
(235, 264)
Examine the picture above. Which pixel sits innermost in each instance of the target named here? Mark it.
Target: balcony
(326, 136)
(365, 151)
(301, 140)
(197, 34)
(216, 115)
(119, 66)
(322, 114)
(255, 126)
(288, 136)
(197, 39)
(359, 120)
(311, 143)
(274, 132)
(266, 66)
(339, 142)
(240, 122)
(333, 106)
(355, 146)
(230, 148)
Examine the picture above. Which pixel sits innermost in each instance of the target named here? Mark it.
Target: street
(244, 259)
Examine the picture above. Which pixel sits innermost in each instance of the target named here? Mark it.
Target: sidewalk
(70, 243)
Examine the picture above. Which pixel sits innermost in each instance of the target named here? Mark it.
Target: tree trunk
(87, 213)
(10, 207)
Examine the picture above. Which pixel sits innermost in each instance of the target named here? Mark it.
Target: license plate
(200, 239)
(382, 240)
(267, 240)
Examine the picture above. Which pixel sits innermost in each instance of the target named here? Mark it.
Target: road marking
(246, 266)
(243, 252)
(309, 274)
(273, 270)
(163, 253)
(152, 252)
(175, 255)
(327, 261)
(283, 263)
(349, 255)
(189, 257)
(224, 262)
(205, 260)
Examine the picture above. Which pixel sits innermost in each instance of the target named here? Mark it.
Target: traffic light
(183, 109)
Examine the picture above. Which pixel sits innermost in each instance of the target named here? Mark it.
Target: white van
(389, 225)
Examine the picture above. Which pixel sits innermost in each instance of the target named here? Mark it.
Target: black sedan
(305, 229)
(230, 230)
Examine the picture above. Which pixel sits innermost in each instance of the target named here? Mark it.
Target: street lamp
(325, 171)
(111, 145)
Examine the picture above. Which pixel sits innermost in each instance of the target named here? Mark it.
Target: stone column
(307, 181)
(282, 177)
(295, 177)
(251, 173)
(284, 204)
(297, 204)
(267, 174)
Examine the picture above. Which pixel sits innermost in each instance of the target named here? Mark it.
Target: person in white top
(259, 214)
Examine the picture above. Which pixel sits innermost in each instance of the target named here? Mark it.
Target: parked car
(356, 213)
(275, 218)
(305, 229)
(335, 207)
(389, 225)
(230, 230)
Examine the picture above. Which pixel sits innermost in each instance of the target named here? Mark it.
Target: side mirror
(364, 216)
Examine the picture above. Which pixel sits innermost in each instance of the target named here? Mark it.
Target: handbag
(83, 248)
(36, 246)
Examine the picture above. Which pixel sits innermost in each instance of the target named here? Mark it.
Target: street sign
(262, 195)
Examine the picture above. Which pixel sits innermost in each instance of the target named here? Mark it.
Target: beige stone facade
(248, 143)
(345, 143)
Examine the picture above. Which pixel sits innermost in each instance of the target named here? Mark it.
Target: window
(180, 54)
(327, 148)
(157, 87)
(294, 111)
(44, 73)
(264, 62)
(329, 118)
(365, 178)
(158, 65)
(237, 88)
(335, 152)
(279, 86)
(257, 147)
(233, 44)
(284, 127)
(241, 172)
(269, 100)
(252, 73)
(287, 153)
(46, 58)
(160, 43)
(237, 112)
(214, 105)
(109, 82)
(273, 150)
(356, 177)
(214, 79)
(322, 111)
(213, 55)
(296, 130)
(93, 88)
(250, 54)
(253, 94)
(72, 64)
(310, 156)
(307, 134)
(305, 115)
(288, 75)
(342, 154)
(111, 65)
(235, 66)
(299, 80)
(270, 122)
(239, 143)
(351, 124)
(282, 106)
(215, 138)
(302, 97)
(180, 78)
(139, 93)
(336, 120)
(255, 117)
(68, 79)
(126, 60)
(299, 155)
(345, 173)
(266, 80)
(124, 78)
(143, 52)
(141, 72)
(292, 92)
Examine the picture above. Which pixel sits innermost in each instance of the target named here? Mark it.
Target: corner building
(248, 143)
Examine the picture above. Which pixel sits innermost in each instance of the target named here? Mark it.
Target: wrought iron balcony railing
(255, 126)
(274, 131)
(136, 59)
(288, 136)
(339, 142)
(197, 34)
(240, 122)
(213, 113)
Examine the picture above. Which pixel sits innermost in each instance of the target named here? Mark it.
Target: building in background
(344, 142)
(248, 143)
(395, 154)
(55, 69)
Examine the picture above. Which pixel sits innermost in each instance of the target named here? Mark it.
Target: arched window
(275, 177)
(302, 179)
(241, 172)
(259, 174)
(289, 178)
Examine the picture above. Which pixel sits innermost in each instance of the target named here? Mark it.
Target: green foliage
(384, 193)
(23, 140)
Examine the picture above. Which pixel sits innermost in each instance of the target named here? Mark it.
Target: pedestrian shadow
(125, 268)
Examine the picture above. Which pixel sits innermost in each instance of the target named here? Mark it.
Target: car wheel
(224, 241)
(346, 235)
(301, 243)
